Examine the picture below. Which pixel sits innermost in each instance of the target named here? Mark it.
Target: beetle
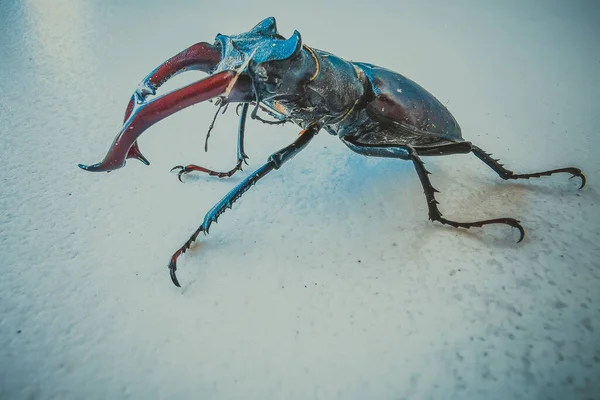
(374, 111)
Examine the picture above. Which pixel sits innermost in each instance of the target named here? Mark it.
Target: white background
(326, 280)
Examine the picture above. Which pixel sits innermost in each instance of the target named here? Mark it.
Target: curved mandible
(201, 56)
(161, 107)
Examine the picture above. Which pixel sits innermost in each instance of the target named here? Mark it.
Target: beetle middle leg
(241, 155)
(275, 161)
(407, 152)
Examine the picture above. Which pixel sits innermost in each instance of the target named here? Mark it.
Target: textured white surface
(326, 280)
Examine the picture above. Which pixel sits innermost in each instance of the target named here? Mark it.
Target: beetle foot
(172, 269)
(506, 221)
(576, 173)
(182, 249)
(191, 167)
(182, 171)
(508, 174)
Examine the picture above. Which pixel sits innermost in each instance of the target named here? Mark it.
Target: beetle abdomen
(402, 101)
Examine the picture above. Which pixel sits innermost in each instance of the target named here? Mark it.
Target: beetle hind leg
(407, 152)
(436, 215)
(508, 174)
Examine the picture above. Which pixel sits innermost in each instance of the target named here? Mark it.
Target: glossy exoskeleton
(374, 111)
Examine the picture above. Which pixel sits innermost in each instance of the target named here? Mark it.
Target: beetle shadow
(361, 176)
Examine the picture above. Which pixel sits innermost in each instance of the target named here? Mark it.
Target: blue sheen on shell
(262, 43)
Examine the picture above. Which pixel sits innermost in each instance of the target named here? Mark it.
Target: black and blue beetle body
(374, 111)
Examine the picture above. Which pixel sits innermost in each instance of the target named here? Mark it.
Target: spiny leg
(241, 155)
(508, 174)
(434, 212)
(409, 153)
(275, 161)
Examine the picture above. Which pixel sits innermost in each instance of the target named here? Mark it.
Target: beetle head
(283, 78)
(261, 44)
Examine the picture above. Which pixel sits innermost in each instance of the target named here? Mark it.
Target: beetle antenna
(255, 110)
(237, 108)
(212, 124)
(258, 100)
(221, 101)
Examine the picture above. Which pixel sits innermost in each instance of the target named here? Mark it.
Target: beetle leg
(508, 174)
(241, 155)
(434, 212)
(275, 161)
(409, 153)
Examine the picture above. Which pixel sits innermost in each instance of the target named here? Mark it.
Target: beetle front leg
(241, 155)
(508, 174)
(275, 161)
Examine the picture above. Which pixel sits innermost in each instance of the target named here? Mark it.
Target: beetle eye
(258, 71)
(273, 80)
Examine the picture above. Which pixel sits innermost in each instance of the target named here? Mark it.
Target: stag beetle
(374, 111)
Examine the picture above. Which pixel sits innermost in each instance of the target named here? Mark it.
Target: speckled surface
(326, 281)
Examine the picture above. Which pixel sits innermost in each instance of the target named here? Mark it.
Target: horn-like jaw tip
(95, 168)
(100, 167)
(134, 152)
(143, 159)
